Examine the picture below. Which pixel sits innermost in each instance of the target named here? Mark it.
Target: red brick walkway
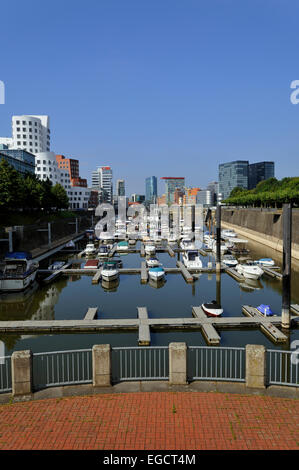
(168, 420)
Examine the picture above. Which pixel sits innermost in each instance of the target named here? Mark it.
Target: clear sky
(156, 87)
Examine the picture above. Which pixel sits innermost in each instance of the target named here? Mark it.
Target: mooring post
(76, 225)
(218, 238)
(218, 288)
(49, 234)
(286, 265)
(10, 241)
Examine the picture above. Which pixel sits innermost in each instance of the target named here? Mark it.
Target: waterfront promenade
(152, 420)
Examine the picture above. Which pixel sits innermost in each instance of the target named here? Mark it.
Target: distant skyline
(156, 87)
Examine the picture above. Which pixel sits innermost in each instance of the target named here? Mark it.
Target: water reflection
(110, 286)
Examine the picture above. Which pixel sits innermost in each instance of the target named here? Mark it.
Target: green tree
(60, 198)
(10, 187)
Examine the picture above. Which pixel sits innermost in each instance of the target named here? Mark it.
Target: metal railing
(216, 363)
(140, 363)
(62, 368)
(283, 367)
(5, 374)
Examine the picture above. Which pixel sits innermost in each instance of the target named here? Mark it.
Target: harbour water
(69, 297)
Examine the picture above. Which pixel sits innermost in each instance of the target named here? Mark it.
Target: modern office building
(171, 184)
(140, 198)
(205, 197)
(22, 161)
(120, 188)
(258, 172)
(72, 166)
(31, 133)
(215, 194)
(231, 175)
(190, 195)
(151, 192)
(101, 178)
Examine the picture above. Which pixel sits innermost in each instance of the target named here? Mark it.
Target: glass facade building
(258, 172)
(231, 175)
(21, 160)
(151, 189)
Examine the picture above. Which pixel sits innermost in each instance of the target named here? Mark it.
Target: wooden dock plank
(97, 276)
(144, 273)
(272, 273)
(209, 332)
(91, 313)
(295, 309)
(55, 274)
(185, 273)
(144, 335)
(142, 250)
(170, 251)
(265, 324)
(234, 273)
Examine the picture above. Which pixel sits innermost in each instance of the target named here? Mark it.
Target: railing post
(177, 363)
(255, 366)
(21, 373)
(101, 365)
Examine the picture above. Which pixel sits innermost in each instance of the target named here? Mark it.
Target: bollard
(21, 372)
(101, 365)
(177, 363)
(255, 366)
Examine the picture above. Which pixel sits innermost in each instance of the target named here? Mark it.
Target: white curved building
(46, 167)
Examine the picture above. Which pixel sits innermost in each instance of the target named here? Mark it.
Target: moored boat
(122, 247)
(19, 271)
(212, 309)
(250, 270)
(156, 274)
(90, 249)
(265, 310)
(110, 271)
(191, 259)
(265, 261)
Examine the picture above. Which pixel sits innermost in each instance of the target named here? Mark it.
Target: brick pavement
(152, 420)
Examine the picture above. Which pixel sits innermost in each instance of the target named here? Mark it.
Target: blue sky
(156, 87)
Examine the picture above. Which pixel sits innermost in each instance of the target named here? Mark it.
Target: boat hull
(17, 284)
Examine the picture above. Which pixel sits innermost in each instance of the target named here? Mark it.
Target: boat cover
(18, 255)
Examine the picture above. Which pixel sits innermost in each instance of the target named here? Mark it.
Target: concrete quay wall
(262, 226)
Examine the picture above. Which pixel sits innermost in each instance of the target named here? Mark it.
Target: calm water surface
(70, 297)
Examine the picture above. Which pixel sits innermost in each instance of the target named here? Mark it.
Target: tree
(10, 187)
(60, 198)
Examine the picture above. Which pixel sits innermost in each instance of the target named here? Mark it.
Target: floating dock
(272, 273)
(295, 309)
(185, 273)
(96, 278)
(265, 324)
(209, 332)
(142, 250)
(170, 251)
(144, 335)
(143, 273)
(234, 273)
(55, 274)
(91, 313)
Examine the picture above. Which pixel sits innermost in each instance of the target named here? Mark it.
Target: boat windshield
(192, 255)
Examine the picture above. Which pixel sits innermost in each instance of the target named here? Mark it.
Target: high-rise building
(215, 195)
(171, 184)
(190, 195)
(258, 172)
(231, 175)
(72, 166)
(29, 132)
(120, 188)
(102, 179)
(151, 192)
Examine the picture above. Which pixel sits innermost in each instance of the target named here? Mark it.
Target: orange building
(72, 167)
(190, 195)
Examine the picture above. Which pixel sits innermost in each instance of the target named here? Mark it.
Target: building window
(18, 122)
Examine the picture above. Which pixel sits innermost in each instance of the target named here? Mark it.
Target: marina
(109, 311)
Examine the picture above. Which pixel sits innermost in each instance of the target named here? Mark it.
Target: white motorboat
(150, 248)
(229, 261)
(110, 271)
(226, 233)
(212, 309)
(191, 259)
(265, 262)
(156, 274)
(250, 270)
(122, 247)
(56, 265)
(70, 244)
(90, 249)
(19, 271)
(153, 262)
(103, 251)
(187, 244)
